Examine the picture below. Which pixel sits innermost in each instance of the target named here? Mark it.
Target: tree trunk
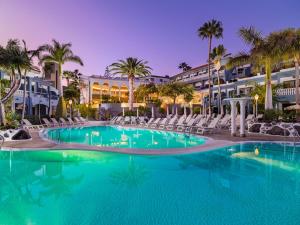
(130, 100)
(219, 97)
(209, 78)
(24, 96)
(268, 98)
(2, 114)
(59, 82)
(297, 89)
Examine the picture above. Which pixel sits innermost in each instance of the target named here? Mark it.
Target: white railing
(286, 91)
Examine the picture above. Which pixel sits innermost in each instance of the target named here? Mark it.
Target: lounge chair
(63, 121)
(154, 123)
(179, 123)
(55, 122)
(48, 123)
(83, 119)
(118, 120)
(211, 126)
(189, 124)
(225, 121)
(189, 117)
(170, 123)
(148, 123)
(126, 120)
(71, 122)
(30, 126)
(162, 123)
(77, 120)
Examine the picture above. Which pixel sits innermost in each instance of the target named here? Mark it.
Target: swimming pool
(253, 183)
(122, 137)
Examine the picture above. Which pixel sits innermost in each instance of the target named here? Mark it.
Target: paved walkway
(216, 140)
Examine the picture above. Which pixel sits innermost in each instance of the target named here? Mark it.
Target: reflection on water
(242, 184)
(107, 136)
(132, 176)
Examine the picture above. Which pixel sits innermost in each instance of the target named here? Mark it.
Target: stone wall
(281, 129)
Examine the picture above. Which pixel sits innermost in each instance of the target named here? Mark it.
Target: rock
(21, 135)
(297, 128)
(276, 130)
(255, 128)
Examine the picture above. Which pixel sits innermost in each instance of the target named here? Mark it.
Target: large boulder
(255, 128)
(276, 130)
(21, 135)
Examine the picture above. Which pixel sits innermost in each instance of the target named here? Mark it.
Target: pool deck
(215, 140)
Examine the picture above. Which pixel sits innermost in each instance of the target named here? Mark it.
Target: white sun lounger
(162, 123)
(149, 122)
(179, 123)
(55, 122)
(155, 122)
(211, 126)
(182, 127)
(30, 126)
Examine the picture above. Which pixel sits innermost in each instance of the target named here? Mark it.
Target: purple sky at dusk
(163, 32)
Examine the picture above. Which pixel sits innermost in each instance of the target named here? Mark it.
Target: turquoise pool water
(240, 185)
(121, 137)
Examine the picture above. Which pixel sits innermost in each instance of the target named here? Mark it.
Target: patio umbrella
(137, 112)
(123, 111)
(293, 107)
(168, 110)
(184, 110)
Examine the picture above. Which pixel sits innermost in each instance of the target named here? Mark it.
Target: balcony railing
(285, 91)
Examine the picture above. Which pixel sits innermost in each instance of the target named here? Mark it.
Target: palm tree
(217, 54)
(31, 54)
(184, 66)
(175, 89)
(131, 67)
(72, 75)
(289, 44)
(209, 30)
(263, 54)
(14, 60)
(60, 53)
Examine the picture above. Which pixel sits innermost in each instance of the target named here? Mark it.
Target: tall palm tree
(217, 54)
(263, 55)
(131, 67)
(72, 76)
(14, 60)
(30, 54)
(289, 46)
(60, 53)
(184, 66)
(209, 30)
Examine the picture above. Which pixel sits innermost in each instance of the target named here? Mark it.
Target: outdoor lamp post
(70, 103)
(256, 105)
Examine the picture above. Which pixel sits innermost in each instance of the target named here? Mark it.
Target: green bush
(130, 113)
(289, 116)
(12, 120)
(196, 110)
(271, 115)
(87, 111)
(61, 109)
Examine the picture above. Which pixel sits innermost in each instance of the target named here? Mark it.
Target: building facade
(41, 95)
(237, 82)
(96, 88)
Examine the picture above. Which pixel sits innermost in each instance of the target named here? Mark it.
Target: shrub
(196, 110)
(61, 109)
(87, 111)
(130, 113)
(271, 115)
(289, 116)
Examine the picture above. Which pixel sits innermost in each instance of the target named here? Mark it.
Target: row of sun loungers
(53, 122)
(199, 124)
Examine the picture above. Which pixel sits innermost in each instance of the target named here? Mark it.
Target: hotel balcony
(286, 94)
